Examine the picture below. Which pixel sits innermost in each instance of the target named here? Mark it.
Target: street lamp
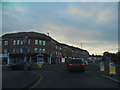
(25, 47)
(49, 49)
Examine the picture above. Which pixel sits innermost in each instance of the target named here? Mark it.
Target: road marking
(34, 85)
(38, 81)
(111, 78)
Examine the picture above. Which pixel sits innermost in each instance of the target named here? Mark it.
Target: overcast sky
(94, 24)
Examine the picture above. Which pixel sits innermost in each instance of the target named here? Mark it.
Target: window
(36, 42)
(40, 42)
(13, 50)
(29, 41)
(40, 50)
(56, 53)
(5, 50)
(44, 42)
(21, 51)
(14, 42)
(18, 42)
(17, 50)
(5, 42)
(36, 50)
(21, 42)
(28, 50)
(60, 48)
(43, 50)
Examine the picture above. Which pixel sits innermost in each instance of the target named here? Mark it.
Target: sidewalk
(19, 79)
(107, 73)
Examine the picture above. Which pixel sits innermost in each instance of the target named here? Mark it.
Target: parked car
(21, 66)
(76, 65)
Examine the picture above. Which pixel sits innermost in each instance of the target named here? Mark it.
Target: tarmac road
(56, 76)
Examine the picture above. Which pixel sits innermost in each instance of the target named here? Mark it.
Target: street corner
(20, 79)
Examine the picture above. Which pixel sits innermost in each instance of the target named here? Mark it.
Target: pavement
(20, 78)
(106, 72)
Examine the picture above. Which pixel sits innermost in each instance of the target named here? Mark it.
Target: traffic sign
(24, 47)
(112, 68)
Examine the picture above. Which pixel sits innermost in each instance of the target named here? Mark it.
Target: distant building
(95, 58)
(31, 46)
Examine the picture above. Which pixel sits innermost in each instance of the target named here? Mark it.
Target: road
(56, 76)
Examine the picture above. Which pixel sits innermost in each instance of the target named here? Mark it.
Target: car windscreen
(75, 61)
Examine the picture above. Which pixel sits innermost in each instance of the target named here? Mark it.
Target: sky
(92, 26)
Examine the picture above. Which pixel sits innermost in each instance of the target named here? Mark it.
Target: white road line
(111, 78)
(37, 82)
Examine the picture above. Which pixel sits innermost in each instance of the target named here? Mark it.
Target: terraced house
(31, 46)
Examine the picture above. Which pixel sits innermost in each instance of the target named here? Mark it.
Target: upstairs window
(36, 42)
(5, 42)
(14, 42)
(13, 50)
(44, 42)
(18, 42)
(21, 42)
(40, 42)
(43, 50)
(5, 51)
(40, 50)
(21, 51)
(36, 50)
(29, 41)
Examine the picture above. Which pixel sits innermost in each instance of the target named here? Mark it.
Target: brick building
(31, 46)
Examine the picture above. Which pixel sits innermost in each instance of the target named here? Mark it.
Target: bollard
(112, 68)
(86, 62)
(101, 66)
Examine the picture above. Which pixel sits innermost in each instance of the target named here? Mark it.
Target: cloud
(93, 24)
(106, 16)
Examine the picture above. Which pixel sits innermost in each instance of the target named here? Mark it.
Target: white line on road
(111, 78)
(38, 81)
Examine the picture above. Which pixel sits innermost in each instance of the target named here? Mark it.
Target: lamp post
(25, 48)
(49, 49)
(81, 45)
